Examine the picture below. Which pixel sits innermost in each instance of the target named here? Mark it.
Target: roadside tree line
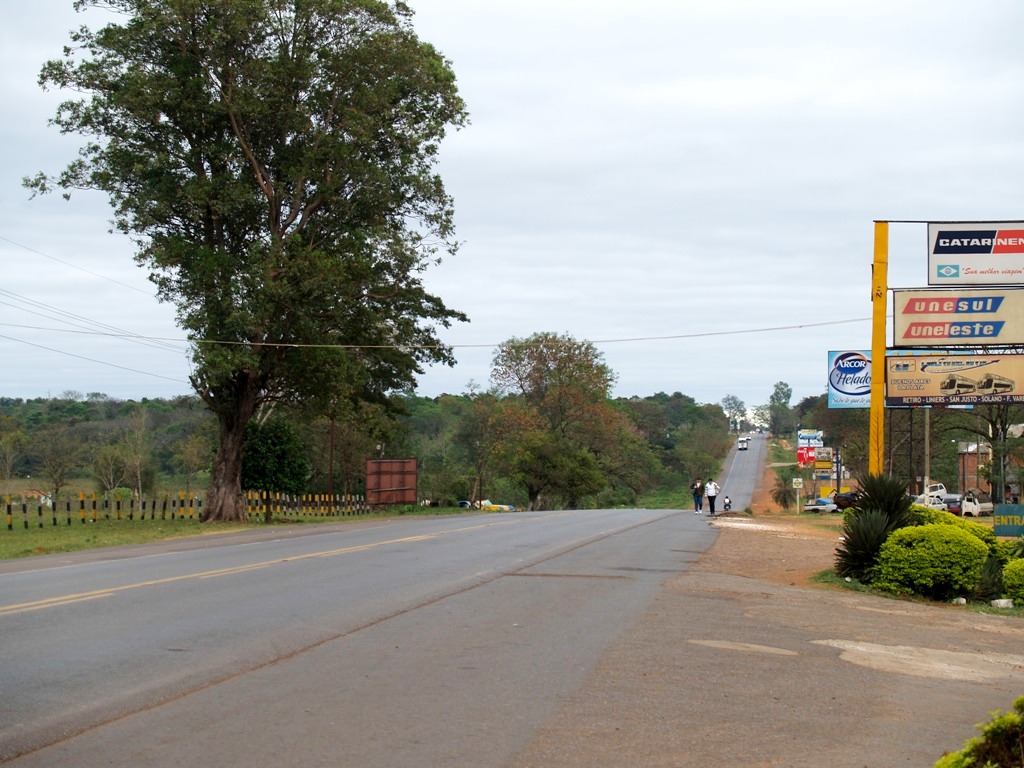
(546, 433)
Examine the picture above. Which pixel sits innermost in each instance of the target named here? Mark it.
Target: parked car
(934, 501)
(820, 505)
(488, 506)
(846, 499)
(954, 503)
(977, 504)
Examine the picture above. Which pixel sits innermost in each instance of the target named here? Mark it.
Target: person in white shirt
(711, 490)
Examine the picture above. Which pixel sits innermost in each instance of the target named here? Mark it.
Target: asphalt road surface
(418, 642)
(741, 472)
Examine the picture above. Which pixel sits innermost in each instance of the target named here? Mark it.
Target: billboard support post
(879, 294)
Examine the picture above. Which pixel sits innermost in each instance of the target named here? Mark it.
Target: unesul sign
(947, 317)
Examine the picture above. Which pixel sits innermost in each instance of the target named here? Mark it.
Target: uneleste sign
(949, 317)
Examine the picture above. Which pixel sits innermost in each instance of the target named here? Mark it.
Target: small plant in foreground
(1000, 745)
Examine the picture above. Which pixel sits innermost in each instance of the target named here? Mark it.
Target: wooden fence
(271, 505)
(26, 513)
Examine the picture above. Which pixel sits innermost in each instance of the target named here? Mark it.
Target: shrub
(1016, 548)
(863, 536)
(990, 581)
(929, 516)
(1013, 580)
(936, 561)
(1001, 743)
(783, 493)
(882, 507)
(883, 492)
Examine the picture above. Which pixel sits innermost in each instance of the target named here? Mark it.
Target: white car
(935, 501)
(820, 505)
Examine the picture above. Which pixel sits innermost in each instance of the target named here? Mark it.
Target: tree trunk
(225, 500)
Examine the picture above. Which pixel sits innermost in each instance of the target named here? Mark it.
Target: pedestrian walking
(711, 490)
(697, 491)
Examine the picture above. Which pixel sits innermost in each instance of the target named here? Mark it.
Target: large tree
(274, 161)
(779, 413)
(564, 386)
(736, 410)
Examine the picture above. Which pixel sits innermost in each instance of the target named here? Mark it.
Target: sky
(690, 186)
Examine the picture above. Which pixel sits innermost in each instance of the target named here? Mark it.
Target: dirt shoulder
(743, 662)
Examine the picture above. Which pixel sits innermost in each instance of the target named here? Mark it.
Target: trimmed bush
(937, 561)
(929, 516)
(1013, 580)
(1001, 743)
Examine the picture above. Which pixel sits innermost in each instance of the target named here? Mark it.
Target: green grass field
(26, 535)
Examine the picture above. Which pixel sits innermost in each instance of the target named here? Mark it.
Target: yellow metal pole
(879, 295)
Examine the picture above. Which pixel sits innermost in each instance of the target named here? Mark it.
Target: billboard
(976, 253)
(849, 379)
(950, 317)
(953, 380)
(391, 481)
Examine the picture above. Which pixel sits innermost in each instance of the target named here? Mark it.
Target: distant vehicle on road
(742, 443)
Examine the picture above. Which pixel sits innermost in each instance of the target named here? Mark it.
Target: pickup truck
(976, 504)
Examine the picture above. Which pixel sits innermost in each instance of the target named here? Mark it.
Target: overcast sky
(689, 185)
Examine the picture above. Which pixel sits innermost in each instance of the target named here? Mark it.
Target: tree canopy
(274, 161)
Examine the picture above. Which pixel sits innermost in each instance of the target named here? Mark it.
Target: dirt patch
(734, 666)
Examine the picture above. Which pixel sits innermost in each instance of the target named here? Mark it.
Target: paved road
(741, 472)
(423, 642)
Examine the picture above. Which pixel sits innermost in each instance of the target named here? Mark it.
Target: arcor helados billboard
(849, 379)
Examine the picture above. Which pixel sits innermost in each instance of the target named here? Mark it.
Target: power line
(73, 266)
(290, 345)
(92, 360)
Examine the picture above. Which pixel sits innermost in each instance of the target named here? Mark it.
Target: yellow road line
(53, 602)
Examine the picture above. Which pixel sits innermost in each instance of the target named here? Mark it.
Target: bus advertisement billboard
(953, 379)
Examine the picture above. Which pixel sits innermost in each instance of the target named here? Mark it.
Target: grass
(48, 538)
(667, 498)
